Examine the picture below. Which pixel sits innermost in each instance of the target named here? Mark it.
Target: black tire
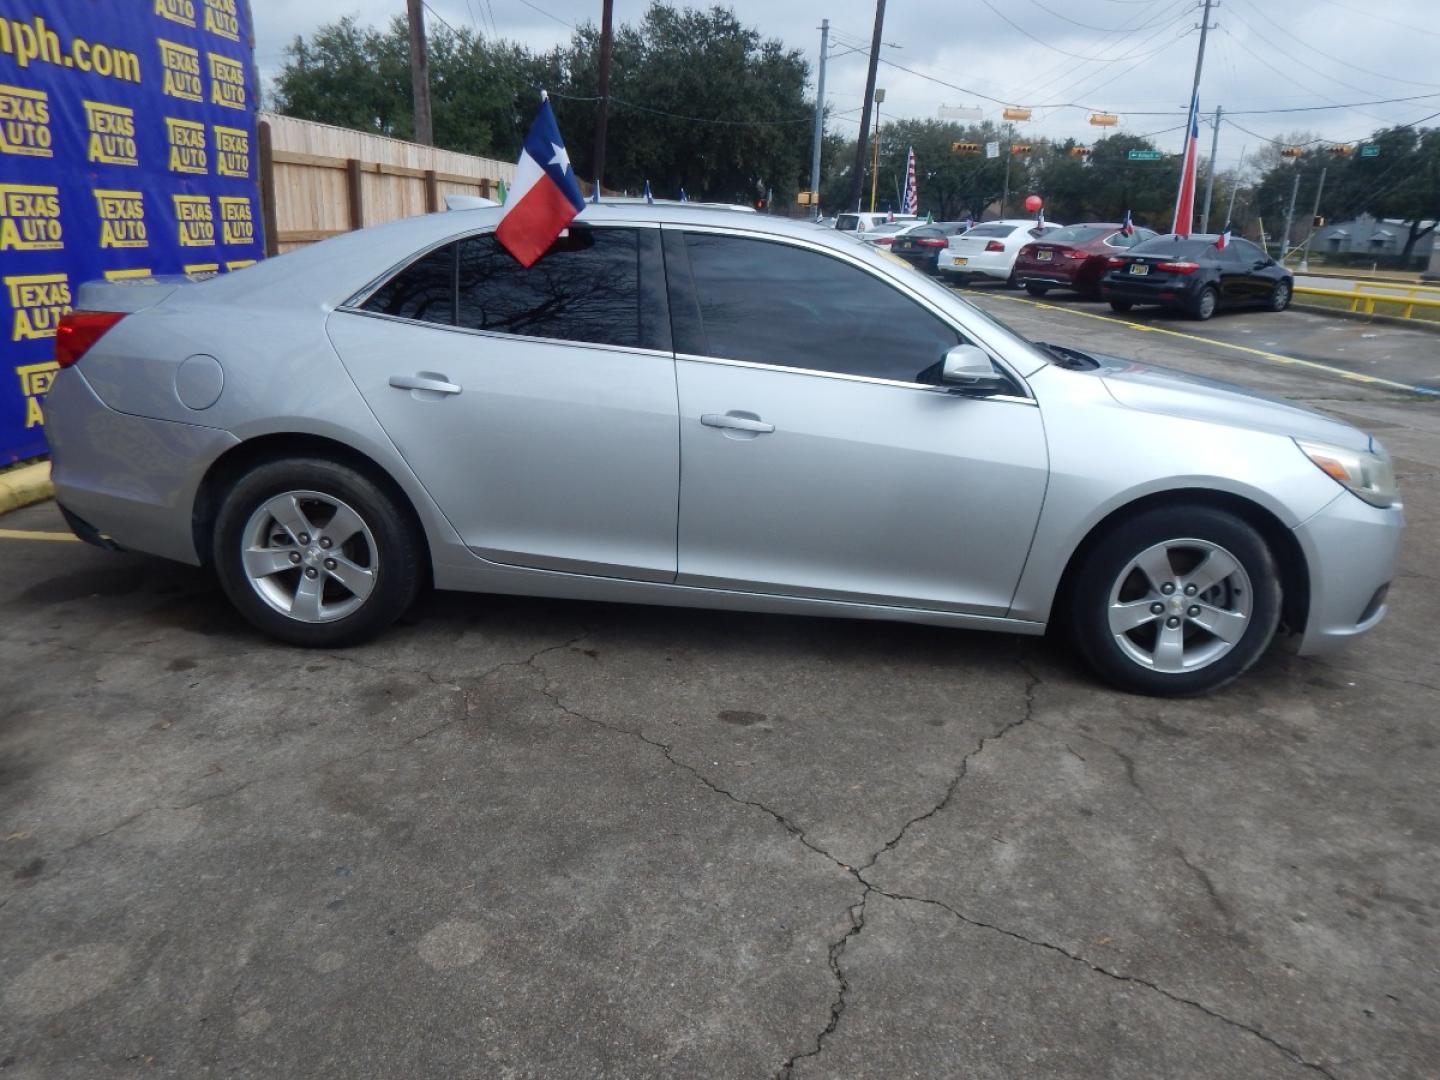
(1011, 282)
(1097, 573)
(1036, 290)
(1120, 307)
(1280, 295)
(1206, 301)
(398, 555)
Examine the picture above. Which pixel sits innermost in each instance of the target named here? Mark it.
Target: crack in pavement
(856, 912)
(1118, 976)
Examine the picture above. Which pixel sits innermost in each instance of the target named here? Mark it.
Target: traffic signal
(1319, 220)
(1079, 151)
(964, 148)
(1341, 150)
(1020, 148)
(1292, 151)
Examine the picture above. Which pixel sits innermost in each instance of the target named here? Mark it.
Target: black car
(1197, 276)
(921, 247)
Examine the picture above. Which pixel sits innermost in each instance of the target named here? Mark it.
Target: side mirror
(968, 369)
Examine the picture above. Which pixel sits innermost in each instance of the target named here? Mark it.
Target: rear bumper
(1144, 294)
(990, 263)
(129, 478)
(1352, 549)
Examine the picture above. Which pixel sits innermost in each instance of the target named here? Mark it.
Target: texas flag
(1223, 240)
(1185, 198)
(1127, 227)
(545, 196)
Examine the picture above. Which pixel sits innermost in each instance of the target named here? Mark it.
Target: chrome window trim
(629, 350)
(897, 283)
(925, 388)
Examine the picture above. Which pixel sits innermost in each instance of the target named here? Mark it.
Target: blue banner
(127, 148)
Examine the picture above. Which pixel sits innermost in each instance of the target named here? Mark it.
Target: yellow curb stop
(21, 487)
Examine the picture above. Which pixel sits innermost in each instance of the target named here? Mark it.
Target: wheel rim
(1180, 606)
(309, 556)
(1207, 303)
(1282, 296)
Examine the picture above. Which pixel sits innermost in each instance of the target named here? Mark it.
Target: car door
(536, 406)
(1261, 271)
(815, 462)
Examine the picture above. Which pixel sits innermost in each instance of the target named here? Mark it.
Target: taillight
(994, 245)
(931, 241)
(78, 330)
(1072, 253)
(1179, 267)
(884, 240)
(1114, 260)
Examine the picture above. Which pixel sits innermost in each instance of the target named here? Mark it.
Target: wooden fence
(317, 180)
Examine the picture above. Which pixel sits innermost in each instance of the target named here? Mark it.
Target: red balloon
(1033, 203)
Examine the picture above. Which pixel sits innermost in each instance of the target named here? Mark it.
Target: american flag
(1185, 197)
(910, 204)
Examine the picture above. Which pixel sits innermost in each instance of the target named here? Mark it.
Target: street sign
(1369, 151)
(992, 149)
(1144, 155)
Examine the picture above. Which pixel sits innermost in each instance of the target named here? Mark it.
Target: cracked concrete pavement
(529, 838)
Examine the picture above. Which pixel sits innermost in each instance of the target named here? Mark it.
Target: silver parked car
(702, 408)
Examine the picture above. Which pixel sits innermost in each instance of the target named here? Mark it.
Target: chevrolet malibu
(702, 408)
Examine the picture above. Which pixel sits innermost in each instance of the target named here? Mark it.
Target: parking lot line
(35, 534)
(1278, 358)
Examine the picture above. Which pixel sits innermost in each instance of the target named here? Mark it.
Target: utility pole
(819, 115)
(875, 165)
(1210, 176)
(858, 176)
(1009, 153)
(1234, 188)
(1315, 213)
(420, 72)
(1289, 217)
(1200, 53)
(602, 115)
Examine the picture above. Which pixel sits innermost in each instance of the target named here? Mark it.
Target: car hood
(1194, 397)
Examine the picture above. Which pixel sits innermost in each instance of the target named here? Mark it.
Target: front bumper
(1351, 548)
(128, 478)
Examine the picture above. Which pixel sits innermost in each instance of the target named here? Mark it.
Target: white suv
(859, 222)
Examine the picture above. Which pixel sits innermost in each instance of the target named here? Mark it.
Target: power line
(1074, 56)
(440, 17)
(549, 15)
(1335, 59)
(1087, 26)
(678, 116)
(1295, 59)
(1371, 14)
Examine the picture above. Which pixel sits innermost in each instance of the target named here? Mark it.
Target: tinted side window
(585, 288)
(1247, 251)
(424, 290)
(771, 303)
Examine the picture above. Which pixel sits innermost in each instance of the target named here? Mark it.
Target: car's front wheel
(1175, 601)
(315, 553)
(1120, 307)
(1280, 296)
(1036, 290)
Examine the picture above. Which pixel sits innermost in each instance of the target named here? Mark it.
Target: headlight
(1366, 473)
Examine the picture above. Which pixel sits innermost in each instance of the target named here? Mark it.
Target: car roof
(342, 265)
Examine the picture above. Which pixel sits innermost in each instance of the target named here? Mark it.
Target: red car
(1075, 257)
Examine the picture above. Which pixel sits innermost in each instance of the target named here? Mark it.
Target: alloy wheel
(1180, 605)
(309, 556)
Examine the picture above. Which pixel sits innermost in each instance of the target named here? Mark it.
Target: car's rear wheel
(1175, 601)
(315, 553)
(1120, 306)
(1205, 303)
(1280, 296)
(1036, 290)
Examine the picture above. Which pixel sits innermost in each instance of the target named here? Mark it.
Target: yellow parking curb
(35, 534)
(21, 487)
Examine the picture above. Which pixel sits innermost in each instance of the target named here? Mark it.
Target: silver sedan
(702, 408)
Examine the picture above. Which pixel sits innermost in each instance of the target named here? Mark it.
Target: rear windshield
(992, 230)
(1079, 234)
(847, 222)
(927, 230)
(1170, 245)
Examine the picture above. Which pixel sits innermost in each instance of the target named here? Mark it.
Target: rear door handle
(738, 423)
(426, 380)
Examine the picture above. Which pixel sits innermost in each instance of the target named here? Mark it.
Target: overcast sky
(1130, 57)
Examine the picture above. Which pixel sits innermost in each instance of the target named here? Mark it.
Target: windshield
(1172, 245)
(1079, 234)
(992, 230)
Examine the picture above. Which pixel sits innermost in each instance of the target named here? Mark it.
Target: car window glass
(1171, 245)
(1079, 234)
(424, 290)
(1247, 251)
(585, 288)
(772, 303)
(991, 230)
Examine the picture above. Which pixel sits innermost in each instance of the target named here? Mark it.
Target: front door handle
(739, 422)
(425, 380)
